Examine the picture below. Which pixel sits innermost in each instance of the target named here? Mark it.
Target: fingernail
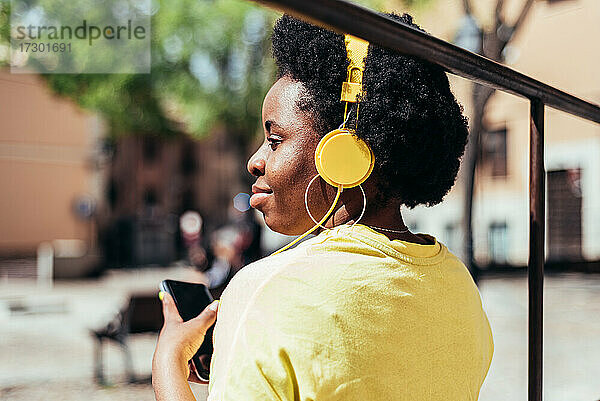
(161, 295)
(214, 305)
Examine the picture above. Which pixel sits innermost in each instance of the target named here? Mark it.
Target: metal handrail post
(537, 220)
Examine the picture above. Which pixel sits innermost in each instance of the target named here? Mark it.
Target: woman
(366, 311)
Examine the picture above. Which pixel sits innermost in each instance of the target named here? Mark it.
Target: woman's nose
(256, 163)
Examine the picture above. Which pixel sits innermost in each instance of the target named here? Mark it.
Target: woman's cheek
(288, 169)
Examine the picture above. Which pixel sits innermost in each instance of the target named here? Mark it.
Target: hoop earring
(306, 203)
(316, 222)
(364, 207)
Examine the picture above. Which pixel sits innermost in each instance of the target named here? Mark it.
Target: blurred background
(110, 183)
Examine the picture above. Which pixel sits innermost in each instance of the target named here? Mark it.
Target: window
(498, 242)
(493, 153)
(188, 159)
(453, 238)
(565, 201)
(150, 198)
(112, 193)
(150, 150)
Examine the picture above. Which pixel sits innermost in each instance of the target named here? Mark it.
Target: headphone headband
(342, 159)
(356, 49)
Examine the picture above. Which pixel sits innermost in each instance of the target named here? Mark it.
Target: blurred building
(557, 45)
(64, 183)
(48, 177)
(61, 180)
(153, 180)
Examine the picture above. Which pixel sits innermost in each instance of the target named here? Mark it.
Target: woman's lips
(259, 195)
(257, 199)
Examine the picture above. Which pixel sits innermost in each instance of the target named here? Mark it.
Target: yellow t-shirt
(350, 315)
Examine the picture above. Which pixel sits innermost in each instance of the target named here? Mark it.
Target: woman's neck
(387, 217)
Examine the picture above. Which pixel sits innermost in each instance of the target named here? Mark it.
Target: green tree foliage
(4, 31)
(210, 66)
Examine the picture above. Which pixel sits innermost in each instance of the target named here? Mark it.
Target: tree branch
(512, 30)
(522, 15)
(467, 7)
(498, 14)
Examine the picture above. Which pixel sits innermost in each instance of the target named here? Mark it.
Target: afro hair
(408, 114)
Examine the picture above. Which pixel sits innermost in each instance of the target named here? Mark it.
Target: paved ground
(46, 351)
(571, 338)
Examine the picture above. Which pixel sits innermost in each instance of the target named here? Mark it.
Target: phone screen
(191, 299)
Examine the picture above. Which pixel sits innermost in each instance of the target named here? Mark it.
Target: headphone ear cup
(343, 159)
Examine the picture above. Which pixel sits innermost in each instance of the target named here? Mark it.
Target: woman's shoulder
(256, 274)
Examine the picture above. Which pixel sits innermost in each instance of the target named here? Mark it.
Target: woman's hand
(177, 343)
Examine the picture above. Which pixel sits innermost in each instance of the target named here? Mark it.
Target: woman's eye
(273, 142)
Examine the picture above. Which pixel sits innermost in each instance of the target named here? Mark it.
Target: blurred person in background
(366, 311)
(191, 227)
(226, 261)
(232, 246)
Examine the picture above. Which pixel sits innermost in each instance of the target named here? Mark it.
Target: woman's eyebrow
(271, 123)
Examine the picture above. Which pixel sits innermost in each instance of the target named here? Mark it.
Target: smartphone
(191, 299)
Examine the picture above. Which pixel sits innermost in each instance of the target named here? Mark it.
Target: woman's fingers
(169, 309)
(200, 323)
(204, 320)
(178, 340)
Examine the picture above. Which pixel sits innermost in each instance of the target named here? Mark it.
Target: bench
(141, 314)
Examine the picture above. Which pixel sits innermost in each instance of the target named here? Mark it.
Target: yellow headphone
(342, 159)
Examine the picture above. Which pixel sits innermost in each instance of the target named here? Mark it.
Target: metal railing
(344, 17)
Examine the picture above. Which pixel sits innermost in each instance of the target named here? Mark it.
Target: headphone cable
(294, 242)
